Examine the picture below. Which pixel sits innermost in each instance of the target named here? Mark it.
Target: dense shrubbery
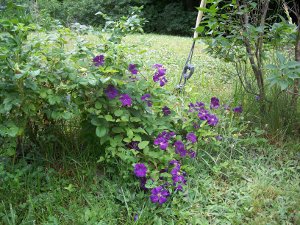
(167, 17)
(122, 109)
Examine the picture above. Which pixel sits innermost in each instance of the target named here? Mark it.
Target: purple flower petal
(140, 170)
(125, 100)
(191, 137)
(98, 60)
(111, 92)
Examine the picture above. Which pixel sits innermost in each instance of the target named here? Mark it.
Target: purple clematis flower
(111, 92)
(125, 99)
(140, 170)
(145, 98)
(179, 187)
(162, 142)
(166, 110)
(180, 149)
(191, 137)
(132, 68)
(159, 195)
(214, 103)
(159, 75)
(98, 60)
(203, 114)
(212, 120)
(177, 176)
(238, 109)
(192, 154)
(174, 162)
(219, 138)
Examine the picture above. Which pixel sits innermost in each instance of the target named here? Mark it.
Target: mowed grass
(260, 185)
(209, 78)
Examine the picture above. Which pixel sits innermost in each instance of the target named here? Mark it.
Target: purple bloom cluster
(125, 99)
(238, 109)
(191, 137)
(140, 170)
(145, 98)
(132, 68)
(111, 92)
(196, 107)
(159, 195)
(159, 75)
(178, 176)
(204, 114)
(214, 103)
(163, 138)
(98, 60)
(211, 119)
(180, 148)
(166, 110)
(192, 154)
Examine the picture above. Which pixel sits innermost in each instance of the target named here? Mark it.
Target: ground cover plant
(92, 132)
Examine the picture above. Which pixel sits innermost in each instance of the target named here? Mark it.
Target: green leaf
(13, 131)
(109, 118)
(283, 84)
(101, 131)
(118, 112)
(98, 105)
(129, 133)
(143, 144)
(117, 130)
(137, 138)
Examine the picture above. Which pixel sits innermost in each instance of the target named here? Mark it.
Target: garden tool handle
(199, 17)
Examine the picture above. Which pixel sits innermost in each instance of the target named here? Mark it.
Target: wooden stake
(199, 17)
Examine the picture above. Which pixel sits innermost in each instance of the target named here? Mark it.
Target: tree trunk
(297, 58)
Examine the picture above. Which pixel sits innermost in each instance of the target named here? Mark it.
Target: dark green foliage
(172, 19)
(164, 17)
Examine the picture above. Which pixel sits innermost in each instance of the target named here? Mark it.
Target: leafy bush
(171, 19)
(165, 17)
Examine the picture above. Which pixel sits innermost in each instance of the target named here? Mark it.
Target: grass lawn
(258, 184)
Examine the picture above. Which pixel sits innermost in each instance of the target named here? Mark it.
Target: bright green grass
(260, 186)
(209, 78)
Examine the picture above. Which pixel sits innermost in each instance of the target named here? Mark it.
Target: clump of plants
(120, 106)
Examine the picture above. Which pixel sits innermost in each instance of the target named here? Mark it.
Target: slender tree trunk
(297, 58)
(254, 51)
